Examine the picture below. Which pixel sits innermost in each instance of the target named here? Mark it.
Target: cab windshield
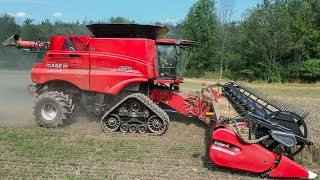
(172, 61)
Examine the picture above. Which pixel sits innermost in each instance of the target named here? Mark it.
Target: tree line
(275, 41)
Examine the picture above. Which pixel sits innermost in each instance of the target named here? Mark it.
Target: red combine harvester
(126, 70)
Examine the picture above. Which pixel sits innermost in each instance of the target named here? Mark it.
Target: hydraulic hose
(256, 141)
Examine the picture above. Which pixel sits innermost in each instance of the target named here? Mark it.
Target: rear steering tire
(52, 109)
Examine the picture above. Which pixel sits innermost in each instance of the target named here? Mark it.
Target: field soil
(81, 150)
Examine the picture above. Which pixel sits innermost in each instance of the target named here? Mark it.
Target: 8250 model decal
(125, 68)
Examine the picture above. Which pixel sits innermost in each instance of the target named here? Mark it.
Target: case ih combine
(125, 71)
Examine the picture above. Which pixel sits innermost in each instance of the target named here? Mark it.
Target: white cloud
(57, 14)
(20, 14)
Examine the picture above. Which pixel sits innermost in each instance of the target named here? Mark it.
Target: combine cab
(125, 71)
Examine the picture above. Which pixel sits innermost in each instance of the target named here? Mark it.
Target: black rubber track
(148, 103)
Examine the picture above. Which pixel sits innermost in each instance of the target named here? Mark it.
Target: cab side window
(69, 44)
(73, 44)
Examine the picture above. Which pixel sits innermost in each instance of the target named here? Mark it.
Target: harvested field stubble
(82, 150)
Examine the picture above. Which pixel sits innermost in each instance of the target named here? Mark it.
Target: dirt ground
(81, 150)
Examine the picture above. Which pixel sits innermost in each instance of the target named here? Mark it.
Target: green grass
(58, 153)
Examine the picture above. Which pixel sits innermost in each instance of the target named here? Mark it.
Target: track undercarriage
(136, 113)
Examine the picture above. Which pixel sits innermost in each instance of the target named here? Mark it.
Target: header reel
(275, 125)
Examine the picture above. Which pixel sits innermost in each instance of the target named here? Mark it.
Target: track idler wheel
(143, 128)
(156, 125)
(133, 128)
(124, 127)
(111, 123)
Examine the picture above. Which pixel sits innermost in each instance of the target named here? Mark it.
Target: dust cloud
(16, 104)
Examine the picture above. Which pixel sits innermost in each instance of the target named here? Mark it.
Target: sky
(141, 11)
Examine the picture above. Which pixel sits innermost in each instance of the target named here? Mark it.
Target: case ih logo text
(60, 66)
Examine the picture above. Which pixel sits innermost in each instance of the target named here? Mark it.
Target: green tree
(29, 31)
(233, 61)
(201, 26)
(120, 20)
(46, 28)
(311, 70)
(174, 30)
(224, 17)
(8, 28)
(267, 31)
(303, 30)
